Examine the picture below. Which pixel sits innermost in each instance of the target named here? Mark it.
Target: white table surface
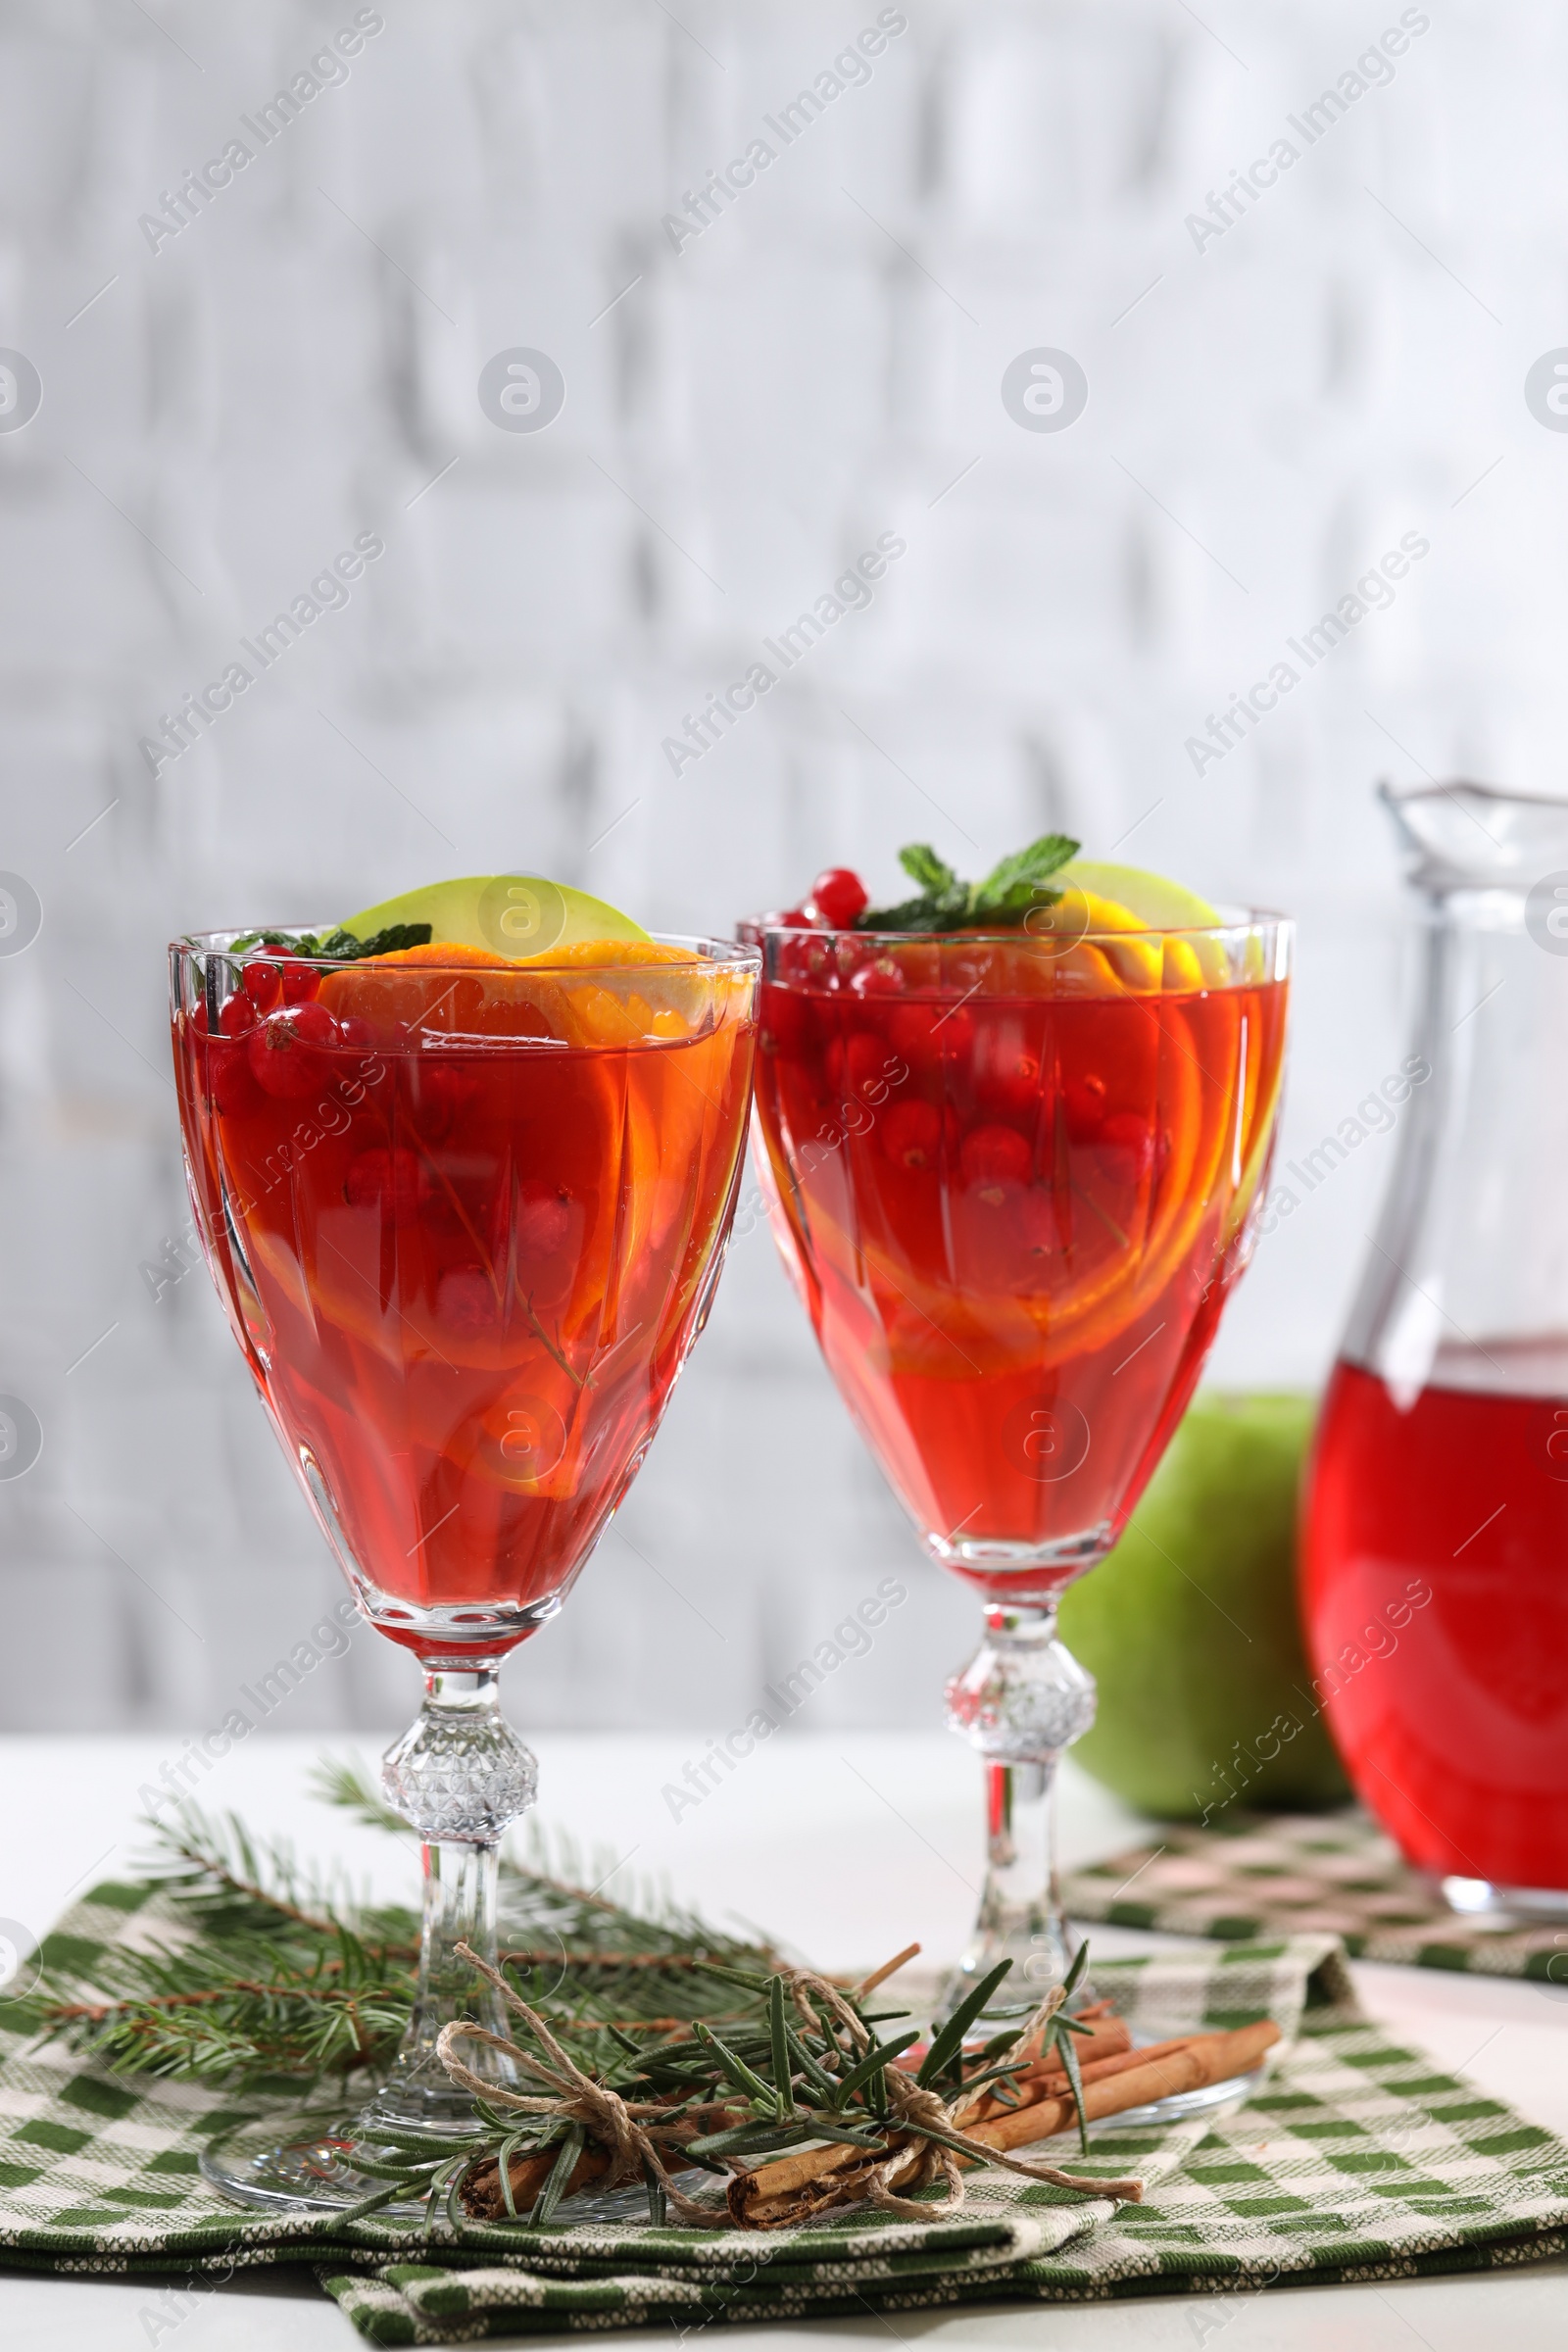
(853, 1843)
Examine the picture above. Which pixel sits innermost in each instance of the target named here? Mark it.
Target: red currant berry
(544, 1220)
(1126, 1145)
(394, 1178)
(786, 1020)
(881, 978)
(867, 1066)
(300, 983)
(1085, 1099)
(263, 983)
(839, 895)
(1007, 1080)
(926, 1036)
(794, 919)
(954, 1034)
(910, 1032)
(911, 1134)
(439, 1095)
(238, 1014)
(234, 1091)
(815, 965)
(466, 1300)
(288, 1054)
(989, 1156)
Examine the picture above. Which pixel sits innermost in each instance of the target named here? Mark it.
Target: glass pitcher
(1436, 1538)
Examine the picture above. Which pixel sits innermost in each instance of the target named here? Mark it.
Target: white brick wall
(818, 366)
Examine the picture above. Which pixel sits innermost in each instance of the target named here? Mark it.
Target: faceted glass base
(314, 2172)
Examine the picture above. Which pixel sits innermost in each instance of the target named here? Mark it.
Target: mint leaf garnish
(921, 864)
(344, 945)
(1016, 880)
(933, 910)
(1010, 892)
(341, 945)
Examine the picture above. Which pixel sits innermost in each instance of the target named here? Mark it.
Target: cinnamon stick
(481, 2191)
(1118, 2079)
(1106, 2046)
(775, 2184)
(1188, 2064)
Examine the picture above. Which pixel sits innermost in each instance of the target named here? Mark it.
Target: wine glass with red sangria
(1015, 1136)
(464, 1168)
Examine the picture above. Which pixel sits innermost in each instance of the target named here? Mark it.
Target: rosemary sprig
(802, 2076)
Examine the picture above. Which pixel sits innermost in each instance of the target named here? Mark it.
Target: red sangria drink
(463, 1215)
(1436, 1509)
(1015, 1134)
(463, 1169)
(1437, 1609)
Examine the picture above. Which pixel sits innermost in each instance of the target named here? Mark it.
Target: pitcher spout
(1464, 835)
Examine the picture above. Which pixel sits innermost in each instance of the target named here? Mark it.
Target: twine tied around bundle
(934, 2120)
(575, 2099)
(926, 2122)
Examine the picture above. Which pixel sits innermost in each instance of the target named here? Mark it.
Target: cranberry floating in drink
(1015, 1135)
(464, 1170)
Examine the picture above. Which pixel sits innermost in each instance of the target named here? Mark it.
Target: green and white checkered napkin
(1355, 2159)
(1295, 1874)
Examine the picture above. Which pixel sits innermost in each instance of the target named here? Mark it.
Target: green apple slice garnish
(1163, 906)
(511, 914)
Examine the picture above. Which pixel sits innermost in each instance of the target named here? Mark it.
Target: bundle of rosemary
(648, 2044)
(801, 2079)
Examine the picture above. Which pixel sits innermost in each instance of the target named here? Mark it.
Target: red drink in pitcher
(1435, 1594)
(1440, 1476)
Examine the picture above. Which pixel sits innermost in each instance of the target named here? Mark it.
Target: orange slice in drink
(452, 988)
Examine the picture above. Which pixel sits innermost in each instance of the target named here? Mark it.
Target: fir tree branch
(291, 1973)
(333, 1783)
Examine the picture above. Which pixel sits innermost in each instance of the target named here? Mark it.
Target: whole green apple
(1190, 1626)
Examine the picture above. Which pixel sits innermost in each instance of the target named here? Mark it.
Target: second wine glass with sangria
(1015, 1135)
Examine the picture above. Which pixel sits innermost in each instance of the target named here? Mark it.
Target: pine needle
(291, 1974)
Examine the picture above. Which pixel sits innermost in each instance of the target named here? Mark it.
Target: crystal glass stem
(459, 1775)
(1022, 1700)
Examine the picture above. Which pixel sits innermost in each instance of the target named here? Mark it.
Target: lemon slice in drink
(1102, 898)
(511, 914)
(511, 923)
(599, 993)
(1150, 899)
